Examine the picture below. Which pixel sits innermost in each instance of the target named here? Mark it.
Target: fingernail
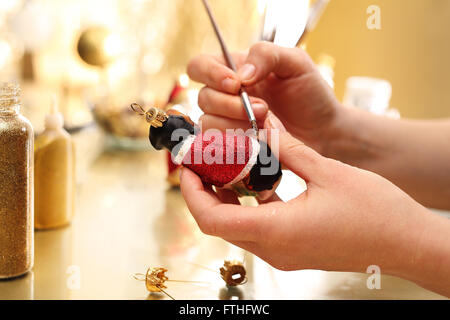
(275, 123)
(258, 108)
(246, 72)
(230, 85)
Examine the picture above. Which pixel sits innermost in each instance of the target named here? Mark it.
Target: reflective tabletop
(128, 219)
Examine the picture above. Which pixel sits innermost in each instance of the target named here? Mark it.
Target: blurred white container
(370, 94)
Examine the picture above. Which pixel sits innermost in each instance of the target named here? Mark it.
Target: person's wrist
(402, 240)
(430, 254)
(416, 247)
(348, 137)
(336, 132)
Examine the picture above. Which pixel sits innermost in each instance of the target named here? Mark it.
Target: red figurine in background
(233, 161)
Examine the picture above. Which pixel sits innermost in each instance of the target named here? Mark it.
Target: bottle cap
(54, 120)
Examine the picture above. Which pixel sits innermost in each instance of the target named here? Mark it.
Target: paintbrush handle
(226, 54)
(230, 62)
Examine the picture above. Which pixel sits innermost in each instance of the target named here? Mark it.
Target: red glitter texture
(222, 157)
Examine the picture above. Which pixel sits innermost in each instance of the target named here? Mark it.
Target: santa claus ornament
(229, 160)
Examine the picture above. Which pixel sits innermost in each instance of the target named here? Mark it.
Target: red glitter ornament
(220, 159)
(226, 160)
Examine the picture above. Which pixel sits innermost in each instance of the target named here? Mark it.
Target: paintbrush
(229, 60)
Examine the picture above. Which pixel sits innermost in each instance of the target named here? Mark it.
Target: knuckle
(204, 122)
(205, 226)
(203, 229)
(264, 50)
(301, 151)
(217, 75)
(192, 66)
(261, 48)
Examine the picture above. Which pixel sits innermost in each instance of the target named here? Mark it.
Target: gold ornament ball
(95, 46)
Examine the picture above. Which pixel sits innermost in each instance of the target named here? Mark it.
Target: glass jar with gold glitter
(16, 186)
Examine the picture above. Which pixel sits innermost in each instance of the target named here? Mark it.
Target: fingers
(293, 153)
(211, 71)
(230, 221)
(227, 196)
(208, 121)
(250, 246)
(265, 58)
(301, 159)
(272, 122)
(222, 104)
(272, 198)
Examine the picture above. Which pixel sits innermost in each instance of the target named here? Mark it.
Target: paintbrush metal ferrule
(248, 109)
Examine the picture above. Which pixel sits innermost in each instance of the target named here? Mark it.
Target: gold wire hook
(154, 116)
(165, 292)
(139, 276)
(141, 112)
(155, 280)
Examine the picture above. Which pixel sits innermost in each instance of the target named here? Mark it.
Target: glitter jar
(16, 185)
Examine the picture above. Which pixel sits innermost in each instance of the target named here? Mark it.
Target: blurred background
(110, 51)
(411, 50)
(106, 53)
(98, 56)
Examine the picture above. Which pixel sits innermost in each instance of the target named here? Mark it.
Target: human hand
(283, 80)
(346, 220)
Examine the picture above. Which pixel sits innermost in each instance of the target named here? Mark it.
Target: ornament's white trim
(186, 146)
(251, 161)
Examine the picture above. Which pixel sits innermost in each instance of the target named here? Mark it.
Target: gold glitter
(16, 186)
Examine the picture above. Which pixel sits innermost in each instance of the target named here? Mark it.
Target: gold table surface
(127, 219)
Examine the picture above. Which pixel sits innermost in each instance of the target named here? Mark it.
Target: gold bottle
(54, 162)
(16, 186)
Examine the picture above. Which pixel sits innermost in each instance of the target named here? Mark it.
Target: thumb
(292, 153)
(265, 58)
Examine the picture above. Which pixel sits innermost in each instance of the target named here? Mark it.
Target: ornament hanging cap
(233, 273)
(154, 116)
